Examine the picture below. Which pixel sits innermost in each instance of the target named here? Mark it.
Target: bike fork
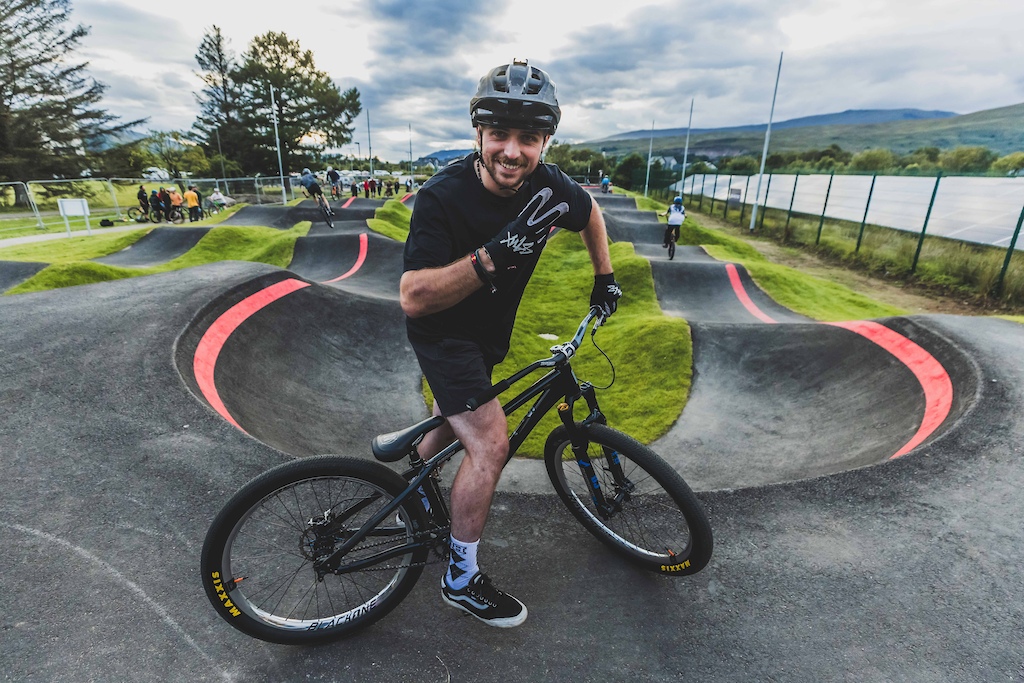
(580, 451)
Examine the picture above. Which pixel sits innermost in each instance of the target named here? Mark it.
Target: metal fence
(33, 203)
(978, 210)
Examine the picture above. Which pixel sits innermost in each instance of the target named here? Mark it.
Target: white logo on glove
(542, 196)
(518, 244)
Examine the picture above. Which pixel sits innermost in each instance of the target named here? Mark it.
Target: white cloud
(617, 66)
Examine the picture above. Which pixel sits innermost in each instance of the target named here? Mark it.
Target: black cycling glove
(606, 294)
(526, 234)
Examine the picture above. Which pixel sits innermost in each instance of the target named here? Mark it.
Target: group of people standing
(166, 200)
(374, 188)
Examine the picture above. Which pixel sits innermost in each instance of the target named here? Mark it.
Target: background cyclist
(312, 187)
(335, 179)
(477, 232)
(676, 215)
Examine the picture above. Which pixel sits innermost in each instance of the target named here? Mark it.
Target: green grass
(73, 248)
(392, 220)
(1013, 318)
(225, 243)
(797, 291)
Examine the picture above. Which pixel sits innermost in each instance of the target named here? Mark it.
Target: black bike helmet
(516, 95)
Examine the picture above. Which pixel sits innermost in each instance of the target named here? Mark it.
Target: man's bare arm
(429, 290)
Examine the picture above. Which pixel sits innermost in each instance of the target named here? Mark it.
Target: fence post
(743, 204)
(863, 221)
(789, 214)
(728, 191)
(113, 195)
(714, 189)
(764, 207)
(1009, 254)
(924, 228)
(821, 223)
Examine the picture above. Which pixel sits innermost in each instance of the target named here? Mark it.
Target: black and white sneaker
(485, 602)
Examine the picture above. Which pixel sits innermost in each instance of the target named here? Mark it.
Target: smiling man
(477, 232)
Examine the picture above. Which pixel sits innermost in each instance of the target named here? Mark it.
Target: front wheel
(671, 249)
(258, 558)
(325, 209)
(652, 519)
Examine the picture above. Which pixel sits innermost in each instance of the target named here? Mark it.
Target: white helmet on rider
(306, 171)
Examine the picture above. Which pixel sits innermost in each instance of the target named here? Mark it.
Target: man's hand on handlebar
(606, 294)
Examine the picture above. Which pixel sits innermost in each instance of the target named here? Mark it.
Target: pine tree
(49, 121)
(218, 123)
(312, 112)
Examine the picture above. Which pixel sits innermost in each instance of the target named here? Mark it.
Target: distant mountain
(1000, 129)
(442, 158)
(848, 117)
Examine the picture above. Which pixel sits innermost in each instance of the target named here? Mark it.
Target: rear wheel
(258, 557)
(655, 522)
(177, 215)
(325, 209)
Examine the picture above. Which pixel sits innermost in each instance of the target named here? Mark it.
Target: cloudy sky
(618, 65)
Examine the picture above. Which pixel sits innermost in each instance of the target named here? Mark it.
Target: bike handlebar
(560, 354)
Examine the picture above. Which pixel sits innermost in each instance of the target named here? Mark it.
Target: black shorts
(455, 370)
(314, 190)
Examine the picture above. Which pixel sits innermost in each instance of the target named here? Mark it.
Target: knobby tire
(257, 560)
(660, 525)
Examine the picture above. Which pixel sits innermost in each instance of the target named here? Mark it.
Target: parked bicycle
(317, 548)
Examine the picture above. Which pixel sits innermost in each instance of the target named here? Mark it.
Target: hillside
(1001, 130)
(848, 117)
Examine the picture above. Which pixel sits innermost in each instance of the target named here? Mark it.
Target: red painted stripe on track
(405, 198)
(363, 245)
(741, 294)
(348, 203)
(938, 388)
(205, 360)
(934, 380)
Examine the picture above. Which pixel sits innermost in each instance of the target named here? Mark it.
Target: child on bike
(676, 215)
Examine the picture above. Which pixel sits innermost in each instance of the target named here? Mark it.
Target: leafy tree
(623, 174)
(48, 112)
(967, 160)
(129, 160)
(219, 122)
(179, 155)
(742, 165)
(1010, 164)
(312, 113)
(873, 161)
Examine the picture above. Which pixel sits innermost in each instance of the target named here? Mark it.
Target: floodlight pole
(764, 153)
(686, 150)
(277, 141)
(650, 149)
(369, 141)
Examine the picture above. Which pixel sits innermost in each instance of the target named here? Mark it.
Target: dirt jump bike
(315, 549)
(325, 209)
(671, 244)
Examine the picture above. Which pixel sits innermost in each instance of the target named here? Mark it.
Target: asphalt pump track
(135, 408)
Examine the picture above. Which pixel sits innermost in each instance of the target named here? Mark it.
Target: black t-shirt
(454, 214)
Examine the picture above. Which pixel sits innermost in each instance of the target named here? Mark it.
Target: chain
(440, 554)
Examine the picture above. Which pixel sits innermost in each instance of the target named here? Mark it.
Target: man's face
(509, 155)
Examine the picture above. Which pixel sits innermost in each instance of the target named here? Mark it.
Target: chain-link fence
(26, 207)
(966, 228)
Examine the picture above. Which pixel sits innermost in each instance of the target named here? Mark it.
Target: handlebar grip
(483, 398)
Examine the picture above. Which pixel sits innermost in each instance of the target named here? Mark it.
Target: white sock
(462, 563)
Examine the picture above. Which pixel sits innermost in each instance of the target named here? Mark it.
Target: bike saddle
(394, 446)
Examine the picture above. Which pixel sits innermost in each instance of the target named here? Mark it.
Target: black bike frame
(559, 383)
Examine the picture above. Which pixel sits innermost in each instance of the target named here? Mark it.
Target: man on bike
(676, 215)
(476, 235)
(606, 185)
(335, 179)
(312, 187)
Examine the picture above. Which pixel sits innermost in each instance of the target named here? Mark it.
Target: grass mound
(392, 220)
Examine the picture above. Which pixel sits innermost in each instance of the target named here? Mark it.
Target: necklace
(476, 167)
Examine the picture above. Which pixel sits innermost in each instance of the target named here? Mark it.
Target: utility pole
(764, 153)
(277, 141)
(223, 173)
(650, 149)
(369, 141)
(410, 150)
(686, 150)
